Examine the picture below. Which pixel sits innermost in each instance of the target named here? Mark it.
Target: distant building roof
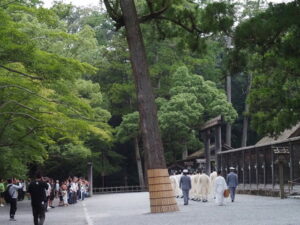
(196, 154)
(288, 133)
(201, 153)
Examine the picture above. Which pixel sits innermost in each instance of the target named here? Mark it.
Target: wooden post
(256, 155)
(281, 152)
(272, 165)
(291, 163)
(265, 170)
(221, 162)
(228, 125)
(207, 151)
(250, 177)
(281, 181)
(218, 143)
(90, 177)
(244, 169)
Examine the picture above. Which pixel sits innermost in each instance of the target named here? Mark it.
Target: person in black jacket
(37, 190)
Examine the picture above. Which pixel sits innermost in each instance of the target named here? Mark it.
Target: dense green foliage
(269, 43)
(67, 95)
(47, 112)
(192, 102)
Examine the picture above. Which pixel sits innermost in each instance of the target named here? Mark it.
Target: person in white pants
(220, 187)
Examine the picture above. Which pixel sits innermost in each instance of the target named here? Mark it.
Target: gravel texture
(133, 209)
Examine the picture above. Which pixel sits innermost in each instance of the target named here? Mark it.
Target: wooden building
(212, 138)
(257, 166)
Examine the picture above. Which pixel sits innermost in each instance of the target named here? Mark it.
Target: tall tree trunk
(160, 190)
(148, 113)
(246, 116)
(139, 162)
(185, 152)
(228, 126)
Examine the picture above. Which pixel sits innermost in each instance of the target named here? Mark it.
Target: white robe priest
(204, 186)
(220, 186)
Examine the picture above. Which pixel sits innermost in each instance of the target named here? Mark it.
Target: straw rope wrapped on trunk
(162, 197)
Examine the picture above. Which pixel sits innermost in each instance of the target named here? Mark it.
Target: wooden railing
(293, 184)
(121, 189)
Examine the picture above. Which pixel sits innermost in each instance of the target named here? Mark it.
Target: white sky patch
(85, 3)
(93, 3)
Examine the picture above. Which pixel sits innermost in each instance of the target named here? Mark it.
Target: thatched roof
(288, 133)
(201, 153)
(197, 154)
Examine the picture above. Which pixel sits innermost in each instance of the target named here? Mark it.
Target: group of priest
(199, 186)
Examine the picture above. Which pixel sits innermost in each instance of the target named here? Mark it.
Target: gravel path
(133, 209)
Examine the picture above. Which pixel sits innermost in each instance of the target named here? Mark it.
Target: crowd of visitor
(67, 192)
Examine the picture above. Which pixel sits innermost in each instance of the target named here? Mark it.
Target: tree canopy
(271, 40)
(68, 97)
(43, 101)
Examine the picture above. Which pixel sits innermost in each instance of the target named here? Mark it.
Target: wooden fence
(257, 166)
(120, 189)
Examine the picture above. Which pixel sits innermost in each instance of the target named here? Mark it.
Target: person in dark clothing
(185, 184)
(37, 190)
(232, 182)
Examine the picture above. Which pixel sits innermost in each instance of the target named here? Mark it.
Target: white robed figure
(193, 191)
(175, 185)
(212, 177)
(204, 182)
(220, 187)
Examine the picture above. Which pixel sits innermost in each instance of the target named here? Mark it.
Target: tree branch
(150, 5)
(31, 130)
(153, 15)
(84, 118)
(9, 121)
(177, 23)
(23, 106)
(27, 90)
(112, 12)
(21, 114)
(21, 73)
(8, 3)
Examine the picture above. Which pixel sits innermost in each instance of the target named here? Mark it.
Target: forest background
(67, 95)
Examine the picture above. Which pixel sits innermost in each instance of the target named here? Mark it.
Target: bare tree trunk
(185, 152)
(246, 116)
(228, 126)
(139, 162)
(160, 190)
(245, 125)
(148, 112)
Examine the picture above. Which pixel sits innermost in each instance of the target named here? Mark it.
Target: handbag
(226, 193)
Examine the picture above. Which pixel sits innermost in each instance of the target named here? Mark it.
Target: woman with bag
(220, 187)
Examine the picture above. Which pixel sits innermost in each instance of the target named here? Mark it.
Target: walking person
(64, 193)
(47, 192)
(52, 193)
(57, 187)
(13, 192)
(220, 187)
(204, 183)
(37, 190)
(232, 182)
(2, 189)
(185, 185)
